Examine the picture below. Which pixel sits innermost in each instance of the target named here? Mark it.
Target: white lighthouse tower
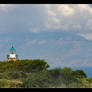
(12, 56)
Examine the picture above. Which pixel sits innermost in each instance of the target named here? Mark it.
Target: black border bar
(45, 1)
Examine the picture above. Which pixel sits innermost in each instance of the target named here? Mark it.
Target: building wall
(12, 59)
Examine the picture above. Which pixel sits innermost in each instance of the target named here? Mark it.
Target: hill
(35, 74)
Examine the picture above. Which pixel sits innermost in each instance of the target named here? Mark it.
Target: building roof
(12, 49)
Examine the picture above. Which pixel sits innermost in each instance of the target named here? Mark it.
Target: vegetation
(4, 83)
(35, 74)
(24, 65)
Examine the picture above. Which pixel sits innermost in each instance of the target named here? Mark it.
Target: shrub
(16, 75)
(4, 83)
(35, 65)
(50, 78)
(79, 74)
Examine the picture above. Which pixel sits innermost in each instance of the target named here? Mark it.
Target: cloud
(42, 42)
(87, 36)
(84, 7)
(3, 6)
(29, 43)
(68, 17)
(35, 41)
(4, 41)
(47, 17)
(77, 27)
(76, 63)
(89, 25)
(66, 10)
(6, 7)
(60, 41)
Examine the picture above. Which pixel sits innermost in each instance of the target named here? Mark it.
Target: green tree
(79, 74)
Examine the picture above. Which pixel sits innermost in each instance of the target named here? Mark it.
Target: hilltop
(35, 74)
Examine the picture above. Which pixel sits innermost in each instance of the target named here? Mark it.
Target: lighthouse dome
(12, 49)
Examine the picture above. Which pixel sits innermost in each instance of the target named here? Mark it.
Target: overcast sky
(61, 34)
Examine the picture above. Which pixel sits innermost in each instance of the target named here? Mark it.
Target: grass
(4, 83)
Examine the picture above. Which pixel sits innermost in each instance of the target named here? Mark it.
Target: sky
(59, 33)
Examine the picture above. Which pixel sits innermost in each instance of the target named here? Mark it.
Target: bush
(50, 78)
(79, 74)
(36, 65)
(35, 74)
(4, 83)
(13, 75)
(16, 75)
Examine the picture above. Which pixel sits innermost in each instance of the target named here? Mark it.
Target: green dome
(12, 49)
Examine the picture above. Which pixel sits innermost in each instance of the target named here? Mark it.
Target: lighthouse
(12, 56)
